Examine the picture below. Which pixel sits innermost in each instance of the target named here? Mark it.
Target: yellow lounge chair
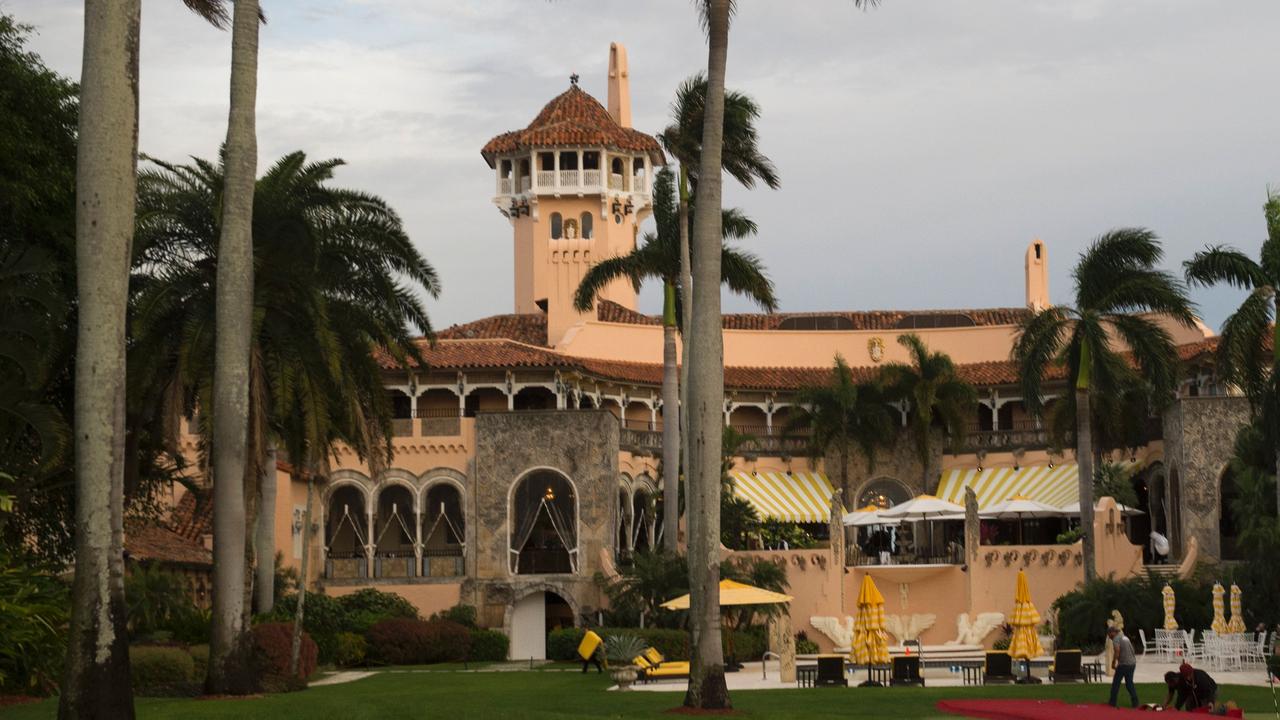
(655, 666)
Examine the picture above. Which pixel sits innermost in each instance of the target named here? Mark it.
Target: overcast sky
(921, 145)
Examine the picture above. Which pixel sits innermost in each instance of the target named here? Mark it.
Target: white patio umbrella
(869, 515)
(1019, 508)
(927, 508)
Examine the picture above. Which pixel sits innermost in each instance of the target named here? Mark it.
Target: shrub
(273, 643)
(322, 618)
(805, 646)
(673, 644)
(747, 644)
(488, 645)
(375, 603)
(350, 650)
(447, 642)
(33, 619)
(200, 655)
(464, 615)
(162, 670)
(563, 644)
(397, 641)
(157, 600)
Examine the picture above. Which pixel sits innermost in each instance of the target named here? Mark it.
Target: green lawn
(392, 695)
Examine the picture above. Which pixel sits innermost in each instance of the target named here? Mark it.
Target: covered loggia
(345, 534)
(444, 531)
(544, 524)
(394, 537)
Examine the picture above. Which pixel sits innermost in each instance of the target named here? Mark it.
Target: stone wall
(1199, 436)
(582, 445)
(900, 462)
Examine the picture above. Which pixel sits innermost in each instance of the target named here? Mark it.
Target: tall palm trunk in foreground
(707, 687)
(229, 667)
(1084, 464)
(671, 419)
(295, 647)
(97, 683)
(686, 320)
(265, 541)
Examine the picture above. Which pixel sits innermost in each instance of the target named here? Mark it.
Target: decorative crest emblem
(875, 348)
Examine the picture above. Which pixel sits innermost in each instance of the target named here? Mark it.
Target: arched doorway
(534, 398)
(883, 493)
(344, 534)
(533, 617)
(544, 525)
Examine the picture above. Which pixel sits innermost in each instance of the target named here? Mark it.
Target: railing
(402, 427)
(639, 184)
(953, 556)
(447, 562)
(543, 562)
(394, 564)
(569, 178)
(440, 421)
(640, 425)
(526, 182)
(640, 440)
(345, 565)
(1006, 439)
(591, 178)
(546, 178)
(615, 181)
(644, 440)
(504, 186)
(584, 181)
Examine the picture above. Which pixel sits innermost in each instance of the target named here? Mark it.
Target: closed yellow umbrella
(1025, 643)
(1219, 624)
(1169, 604)
(1237, 611)
(870, 644)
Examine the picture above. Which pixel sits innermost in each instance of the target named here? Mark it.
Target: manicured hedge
(488, 645)
(273, 644)
(351, 650)
(673, 644)
(404, 641)
(162, 670)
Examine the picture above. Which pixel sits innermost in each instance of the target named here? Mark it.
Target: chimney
(619, 85)
(1037, 267)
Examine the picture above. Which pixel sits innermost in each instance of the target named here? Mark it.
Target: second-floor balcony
(579, 182)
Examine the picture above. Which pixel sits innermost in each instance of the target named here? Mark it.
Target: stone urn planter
(624, 676)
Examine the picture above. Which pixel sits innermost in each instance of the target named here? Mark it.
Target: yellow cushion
(654, 656)
(640, 661)
(670, 669)
(587, 648)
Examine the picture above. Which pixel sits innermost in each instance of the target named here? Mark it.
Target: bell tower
(575, 185)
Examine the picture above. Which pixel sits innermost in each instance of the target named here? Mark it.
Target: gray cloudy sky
(921, 145)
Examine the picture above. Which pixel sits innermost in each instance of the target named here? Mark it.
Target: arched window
(624, 524)
(444, 532)
(544, 525)
(588, 231)
(394, 538)
(557, 226)
(344, 534)
(884, 493)
(642, 519)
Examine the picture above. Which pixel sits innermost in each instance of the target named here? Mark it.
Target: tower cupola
(575, 184)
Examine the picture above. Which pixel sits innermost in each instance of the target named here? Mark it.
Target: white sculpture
(840, 633)
(908, 627)
(973, 632)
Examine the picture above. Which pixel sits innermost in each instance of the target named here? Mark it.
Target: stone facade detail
(1199, 437)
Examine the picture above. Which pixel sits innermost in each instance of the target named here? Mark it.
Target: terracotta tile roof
(573, 118)
(152, 542)
(607, 311)
(193, 517)
(479, 354)
(530, 329)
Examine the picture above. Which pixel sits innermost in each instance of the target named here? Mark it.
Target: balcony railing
(504, 186)
(650, 441)
(615, 181)
(568, 178)
(592, 181)
(591, 178)
(546, 178)
(447, 562)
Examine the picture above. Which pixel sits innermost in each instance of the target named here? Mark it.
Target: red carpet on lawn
(1048, 710)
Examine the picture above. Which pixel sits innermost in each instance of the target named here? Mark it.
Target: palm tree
(228, 655)
(741, 158)
(705, 360)
(97, 675)
(935, 391)
(1244, 357)
(843, 416)
(342, 286)
(1115, 280)
(97, 680)
(659, 258)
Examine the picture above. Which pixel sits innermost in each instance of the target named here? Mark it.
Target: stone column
(370, 547)
(783, 642)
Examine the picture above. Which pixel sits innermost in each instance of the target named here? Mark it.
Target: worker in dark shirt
(1194, 688)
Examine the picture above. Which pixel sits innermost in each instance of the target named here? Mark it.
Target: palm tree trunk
(97, 683)
(229, 662)
(686, 313)
(1084, 462)
(707, 687)
(265, 543)
(670, 424)
(295, 648)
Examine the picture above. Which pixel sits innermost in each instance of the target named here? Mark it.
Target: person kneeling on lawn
(1194, 688)
(1123, 662)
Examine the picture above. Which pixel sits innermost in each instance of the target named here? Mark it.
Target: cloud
(922, 145)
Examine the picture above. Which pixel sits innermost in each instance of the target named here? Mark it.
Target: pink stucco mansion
(527, 449)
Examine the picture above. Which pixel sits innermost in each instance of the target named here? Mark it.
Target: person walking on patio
(1124, 662)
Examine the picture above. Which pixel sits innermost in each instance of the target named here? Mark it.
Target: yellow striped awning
(790, 497)
(1057, 486)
